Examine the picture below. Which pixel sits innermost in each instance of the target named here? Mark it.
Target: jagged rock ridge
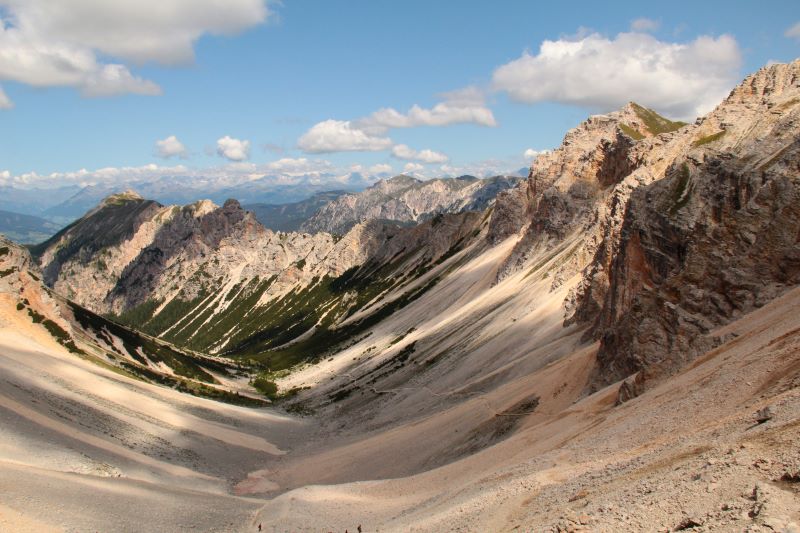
(678, 228)
(213, 279)
(408, 200)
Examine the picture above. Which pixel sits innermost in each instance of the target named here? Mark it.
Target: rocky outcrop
(15, 266)
(510, 214)
(674, 229)
(717, 237)
(581, 187)
(404, 199)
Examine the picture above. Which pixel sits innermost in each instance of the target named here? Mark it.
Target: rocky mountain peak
(395, 184)
(201, 207)
(767, 84)
(402, 179)
(128, 195)
(405, 199)
(639, 122)
(231, 204)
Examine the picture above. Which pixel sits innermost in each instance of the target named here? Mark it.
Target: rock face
(405, 199)
(580, 189)
(214, 279)
(15, 265)
(129, 250)
(675, 228)
(717, 237)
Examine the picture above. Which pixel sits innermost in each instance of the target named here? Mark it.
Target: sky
(98, 91)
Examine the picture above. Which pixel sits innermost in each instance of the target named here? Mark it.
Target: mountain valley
(608, 345)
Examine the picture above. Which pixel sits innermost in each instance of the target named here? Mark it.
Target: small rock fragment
(764, 414)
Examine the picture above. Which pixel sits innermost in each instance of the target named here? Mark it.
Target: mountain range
(26, 228)
(610, 344)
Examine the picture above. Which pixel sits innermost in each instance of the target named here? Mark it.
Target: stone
(763, 415)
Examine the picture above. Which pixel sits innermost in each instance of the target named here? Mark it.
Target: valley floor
(85, 449)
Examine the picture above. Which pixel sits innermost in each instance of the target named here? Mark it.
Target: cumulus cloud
(508, 166)
(644, 25)
(47, 43)
(412, 168)
(465, 106)
(298, 166)
(793, 32)
(340, 136)
(530, 153)
(233, 149)
(282, 172)
(85, 177)
(681, 79)
(113, 80)
(171, 147)
(402, 151)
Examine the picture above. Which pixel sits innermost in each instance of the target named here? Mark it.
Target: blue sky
(269, 76)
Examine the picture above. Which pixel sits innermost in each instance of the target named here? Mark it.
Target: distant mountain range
(26, 229)
(406, 200)
(290, 216)
(187, 190)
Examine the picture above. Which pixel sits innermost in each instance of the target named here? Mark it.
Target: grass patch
(57, 332)
(265, 386)
(630, 132)
(654, 122)
(708, 139)
(682, 191)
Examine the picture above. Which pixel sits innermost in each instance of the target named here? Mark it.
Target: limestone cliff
(675, 229)
(718, 236)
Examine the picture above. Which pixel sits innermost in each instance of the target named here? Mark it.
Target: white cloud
(171, 147)
(298, 166)
(530, 153)
(90, 177)
(5, 101)
(380, 168)
(340, 136)
(511, 165)
(113, 80)
(465, 106)
(286, 171)
(233, 149)
(644, 25)
(683, 80)
(162, 31)
(402, 151)
(412, 168)
(793, 32)
(47, 43)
